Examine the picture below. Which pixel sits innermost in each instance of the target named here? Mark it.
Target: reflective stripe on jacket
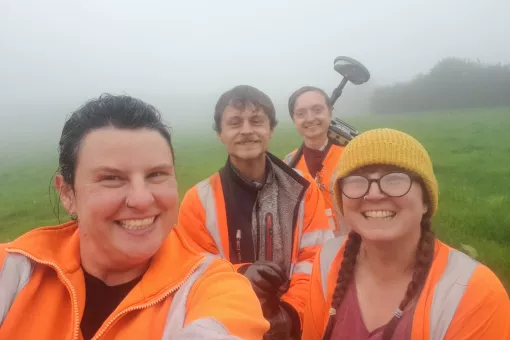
(462, 299)
(183, 295)
(203, 221)
(325, 180)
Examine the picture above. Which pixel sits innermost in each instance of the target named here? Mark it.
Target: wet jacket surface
(461, 299)
(324, 179)
(183, 294)
(300, 225)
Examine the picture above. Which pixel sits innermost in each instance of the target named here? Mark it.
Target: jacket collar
(271, 162)
(59, 245)
(236, 175)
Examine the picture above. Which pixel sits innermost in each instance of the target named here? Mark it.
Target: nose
(374, 193)
(139, 197)
(246, 128)
(308, 116)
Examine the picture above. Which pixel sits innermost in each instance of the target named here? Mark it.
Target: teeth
(137, 224)
(379, 214)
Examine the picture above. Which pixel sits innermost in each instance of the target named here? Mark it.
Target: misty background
(180, 56)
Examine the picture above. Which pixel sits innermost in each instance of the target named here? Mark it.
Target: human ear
(66, 194)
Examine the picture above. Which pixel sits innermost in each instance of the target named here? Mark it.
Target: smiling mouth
(379, 214)
(246, 143)
(137, 224)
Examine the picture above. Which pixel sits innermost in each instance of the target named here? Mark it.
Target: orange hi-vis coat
(203, 220)
(183, 294)
(461, 300)
(325, 180)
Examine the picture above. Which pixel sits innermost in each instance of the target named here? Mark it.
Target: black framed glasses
(393, 184)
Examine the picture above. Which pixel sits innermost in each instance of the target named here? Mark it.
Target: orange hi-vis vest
(461, 299)
(325, 180)
(182, 295)
(203, 221)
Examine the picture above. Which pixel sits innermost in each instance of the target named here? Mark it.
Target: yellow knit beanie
(388, 147)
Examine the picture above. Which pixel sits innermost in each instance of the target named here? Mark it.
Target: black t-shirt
(100, 301)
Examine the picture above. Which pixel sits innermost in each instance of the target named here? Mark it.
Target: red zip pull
(269, 237)
(238, 245)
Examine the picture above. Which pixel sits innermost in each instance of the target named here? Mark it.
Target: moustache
(311, 124)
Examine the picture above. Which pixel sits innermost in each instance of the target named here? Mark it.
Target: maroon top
(313, 159)
(350, 325)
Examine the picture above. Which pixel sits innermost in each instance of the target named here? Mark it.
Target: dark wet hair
(293, 98)
(122, 112)
(241, 96)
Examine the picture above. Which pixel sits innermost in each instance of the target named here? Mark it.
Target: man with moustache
(258, 213)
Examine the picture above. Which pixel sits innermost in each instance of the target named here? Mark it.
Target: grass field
(470, 150)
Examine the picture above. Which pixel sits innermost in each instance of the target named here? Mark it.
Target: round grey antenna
(352, 70)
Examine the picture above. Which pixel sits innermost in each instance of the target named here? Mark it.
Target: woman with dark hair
(390, 278)
(119, 269)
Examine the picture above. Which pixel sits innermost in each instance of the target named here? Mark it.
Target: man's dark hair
(240, 97)
(123, 112)
(293, 98)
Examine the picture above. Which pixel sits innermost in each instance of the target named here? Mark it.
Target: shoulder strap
(297, 156)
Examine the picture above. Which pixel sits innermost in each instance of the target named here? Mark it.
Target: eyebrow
(106, 169)
(115, 170)
(163, 166)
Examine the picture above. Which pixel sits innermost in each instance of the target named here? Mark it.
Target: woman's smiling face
(376, 216)
(125, 193)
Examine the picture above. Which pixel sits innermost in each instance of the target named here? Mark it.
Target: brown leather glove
(284, 323)
(266, 278)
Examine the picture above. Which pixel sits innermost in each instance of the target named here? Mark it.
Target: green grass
(470, 151)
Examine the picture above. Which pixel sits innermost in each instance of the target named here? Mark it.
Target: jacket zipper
(258, 241)
(318, 178)
(76, 330)
(238, 245)
(146, 305)
(269, 237)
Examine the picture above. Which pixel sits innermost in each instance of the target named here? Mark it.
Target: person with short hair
(311, 112)
(390, 277)
(257, 212)
(118, 269)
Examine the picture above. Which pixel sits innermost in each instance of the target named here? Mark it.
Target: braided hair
(423, 262)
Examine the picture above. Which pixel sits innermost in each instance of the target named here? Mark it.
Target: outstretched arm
(222, 305)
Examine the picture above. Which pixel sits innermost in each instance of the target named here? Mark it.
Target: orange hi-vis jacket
(325, 180)
(183, 294)
(461, 299)
(203, 220)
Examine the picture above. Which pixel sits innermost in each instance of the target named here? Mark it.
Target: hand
(266, 278)
(280, 325)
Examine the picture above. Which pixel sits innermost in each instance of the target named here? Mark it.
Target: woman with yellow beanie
(390, 278)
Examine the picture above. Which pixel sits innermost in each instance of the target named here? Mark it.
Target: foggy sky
(56, 54)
